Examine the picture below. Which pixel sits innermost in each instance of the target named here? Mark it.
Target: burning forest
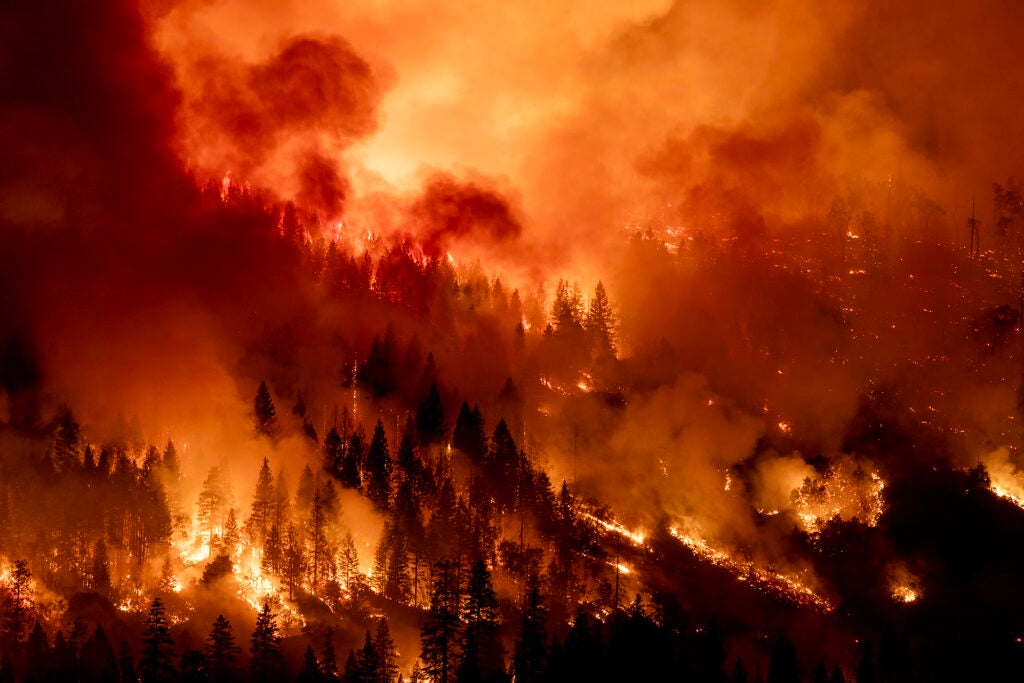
(594, 341)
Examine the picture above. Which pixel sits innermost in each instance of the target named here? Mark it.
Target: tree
(430, 425)
(334, 453)
(440, 633)
(261, 515)
(294, 560)
(378, 468)
(482, 655)
(530, 654)
(158, 647)
(567, 310)
(353, 462)
(267, 663)
(501, 466)
(387, 655)
(264, 413)
(20, 603)
(214, 502)
(328, 660)
(98, 662)
(310, 672)
(348, 563)
(100, 575)
(469, 436)
(222, 652)
(599, 324)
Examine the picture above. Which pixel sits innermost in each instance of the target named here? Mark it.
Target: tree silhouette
(600, 323)
(222, 652)
(19, 603)
(441, 630)
(530, 654)
(430, 425)
(482, 655)
(378, 468)
(264, 413)
(158, 647)
(266, 663)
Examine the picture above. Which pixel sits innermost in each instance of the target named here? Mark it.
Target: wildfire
(786, 585)
(1005, 480)
(904, 594)
(635, 537)
(846, 491)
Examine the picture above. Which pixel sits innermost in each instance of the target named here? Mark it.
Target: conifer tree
(430, 424)
(530, 654)
(378, 469)
(264, 413)
(310, 671)
(328, 659)
(440, 634)
(261, 514)
(222, 651)
(600, 323)
(158, 647)
(482, 655)
(266, 664)
(353, 462)
(387, 655)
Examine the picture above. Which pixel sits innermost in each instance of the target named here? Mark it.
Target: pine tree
(369, 662)
(294, 560)
(328, 659)
(261, 515)
(214, 501)
(430, 424)
(387, 655)
(469, 436)
(310, 672)
(378, 468)
(352, 673)
(482, 655)
(334, 453)
(158, 647)
(264, 413)
(600, 324)
(501, 466)
(222, 652)
(440, 634)
(353, 462)
(348, 563)
(530, 655)
(266, 664)
(20, 603)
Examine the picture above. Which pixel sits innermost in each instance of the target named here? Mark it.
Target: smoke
(758, 141)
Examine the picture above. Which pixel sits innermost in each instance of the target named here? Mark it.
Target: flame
(845, 491)
(635, 537)
(769, 580)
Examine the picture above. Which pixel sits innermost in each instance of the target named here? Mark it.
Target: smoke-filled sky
(532, 136)
(592, 115)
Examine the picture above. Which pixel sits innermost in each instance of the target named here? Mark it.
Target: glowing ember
(845, 491)
(904, 594)
(635, 537)
(786, 585)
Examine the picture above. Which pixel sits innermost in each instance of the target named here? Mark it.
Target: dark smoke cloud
(450, 210)
(282, 122)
